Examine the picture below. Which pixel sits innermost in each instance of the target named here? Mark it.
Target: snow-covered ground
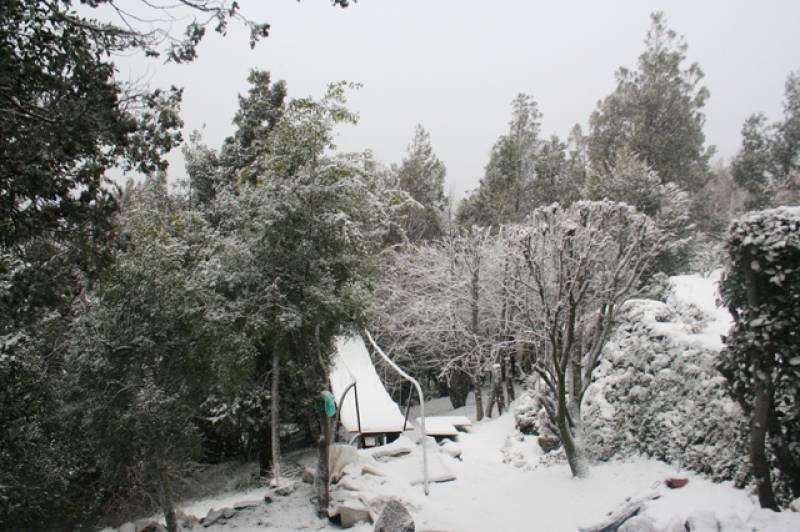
(491, 495)
(500, 484)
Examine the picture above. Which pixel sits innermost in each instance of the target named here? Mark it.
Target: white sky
(455, 65)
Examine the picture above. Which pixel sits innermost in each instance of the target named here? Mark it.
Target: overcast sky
(454, 66)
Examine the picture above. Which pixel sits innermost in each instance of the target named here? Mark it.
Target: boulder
(702, 521)
(795, 505)
(676, 524)
(189, 522)
(285, 489)
(340, 457)
(352, 512)
(548, 443)
(211, 517)
(242, 505)
(732, 523)
(145, 525)
(394, 518)
(308, 475)
(639, 523)
(228, 513)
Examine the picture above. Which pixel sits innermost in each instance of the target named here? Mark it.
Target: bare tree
(573, 268)
(437, 307)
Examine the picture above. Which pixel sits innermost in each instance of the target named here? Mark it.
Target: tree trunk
(458, 388)
(478, 400)
(573, 447)
(265, 451)
(758, 451)
(509, 359)
(323, 467)
(166, 501)
(497, 391)
(762, 401)
(275, 424)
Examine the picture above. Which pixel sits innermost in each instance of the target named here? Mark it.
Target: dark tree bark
(761, 413)
(458, 388)
(167, 505)
(478, 399)
(275, 419)
(323, 467)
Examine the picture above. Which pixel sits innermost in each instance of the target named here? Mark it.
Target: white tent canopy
(378, 412)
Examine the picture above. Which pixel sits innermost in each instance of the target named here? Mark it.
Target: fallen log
(616, 519)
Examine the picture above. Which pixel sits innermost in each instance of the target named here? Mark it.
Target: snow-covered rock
(639, 523)
(394, 518)
(702, 521)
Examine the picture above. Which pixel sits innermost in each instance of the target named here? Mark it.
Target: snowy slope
(494, 490)
(491, 495)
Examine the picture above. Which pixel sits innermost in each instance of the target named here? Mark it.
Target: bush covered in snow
(762, 359)
(657, 391)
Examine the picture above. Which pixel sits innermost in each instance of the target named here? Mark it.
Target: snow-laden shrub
(762, 357)
(657, 393)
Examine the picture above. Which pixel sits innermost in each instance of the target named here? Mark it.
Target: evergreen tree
(630, 180)
(768, 163)
(203, 170)
(504, 193)
(422, 175)
(257, 116)
(753, 166)
(146, 347)
(656, 111)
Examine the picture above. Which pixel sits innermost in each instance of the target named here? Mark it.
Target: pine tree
(753, 166)
(504, 193)
(768, 163)
(656, 111)
(258, 114)
(422, 175)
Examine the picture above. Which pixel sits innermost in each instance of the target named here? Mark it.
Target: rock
(267, 498)
(308, 475)
(228, 513)
(676, 524)
(394, 518)
(285, 489)
(152, 526)
(242, 505)
(639, 523)
(340, 457)
(127, 527)
(211, 517)
(452, 448)
(371, 469)
(548, 443)
(702, 521)
(731, 523)
(795, 505)
(352, 512)
(190, 522)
